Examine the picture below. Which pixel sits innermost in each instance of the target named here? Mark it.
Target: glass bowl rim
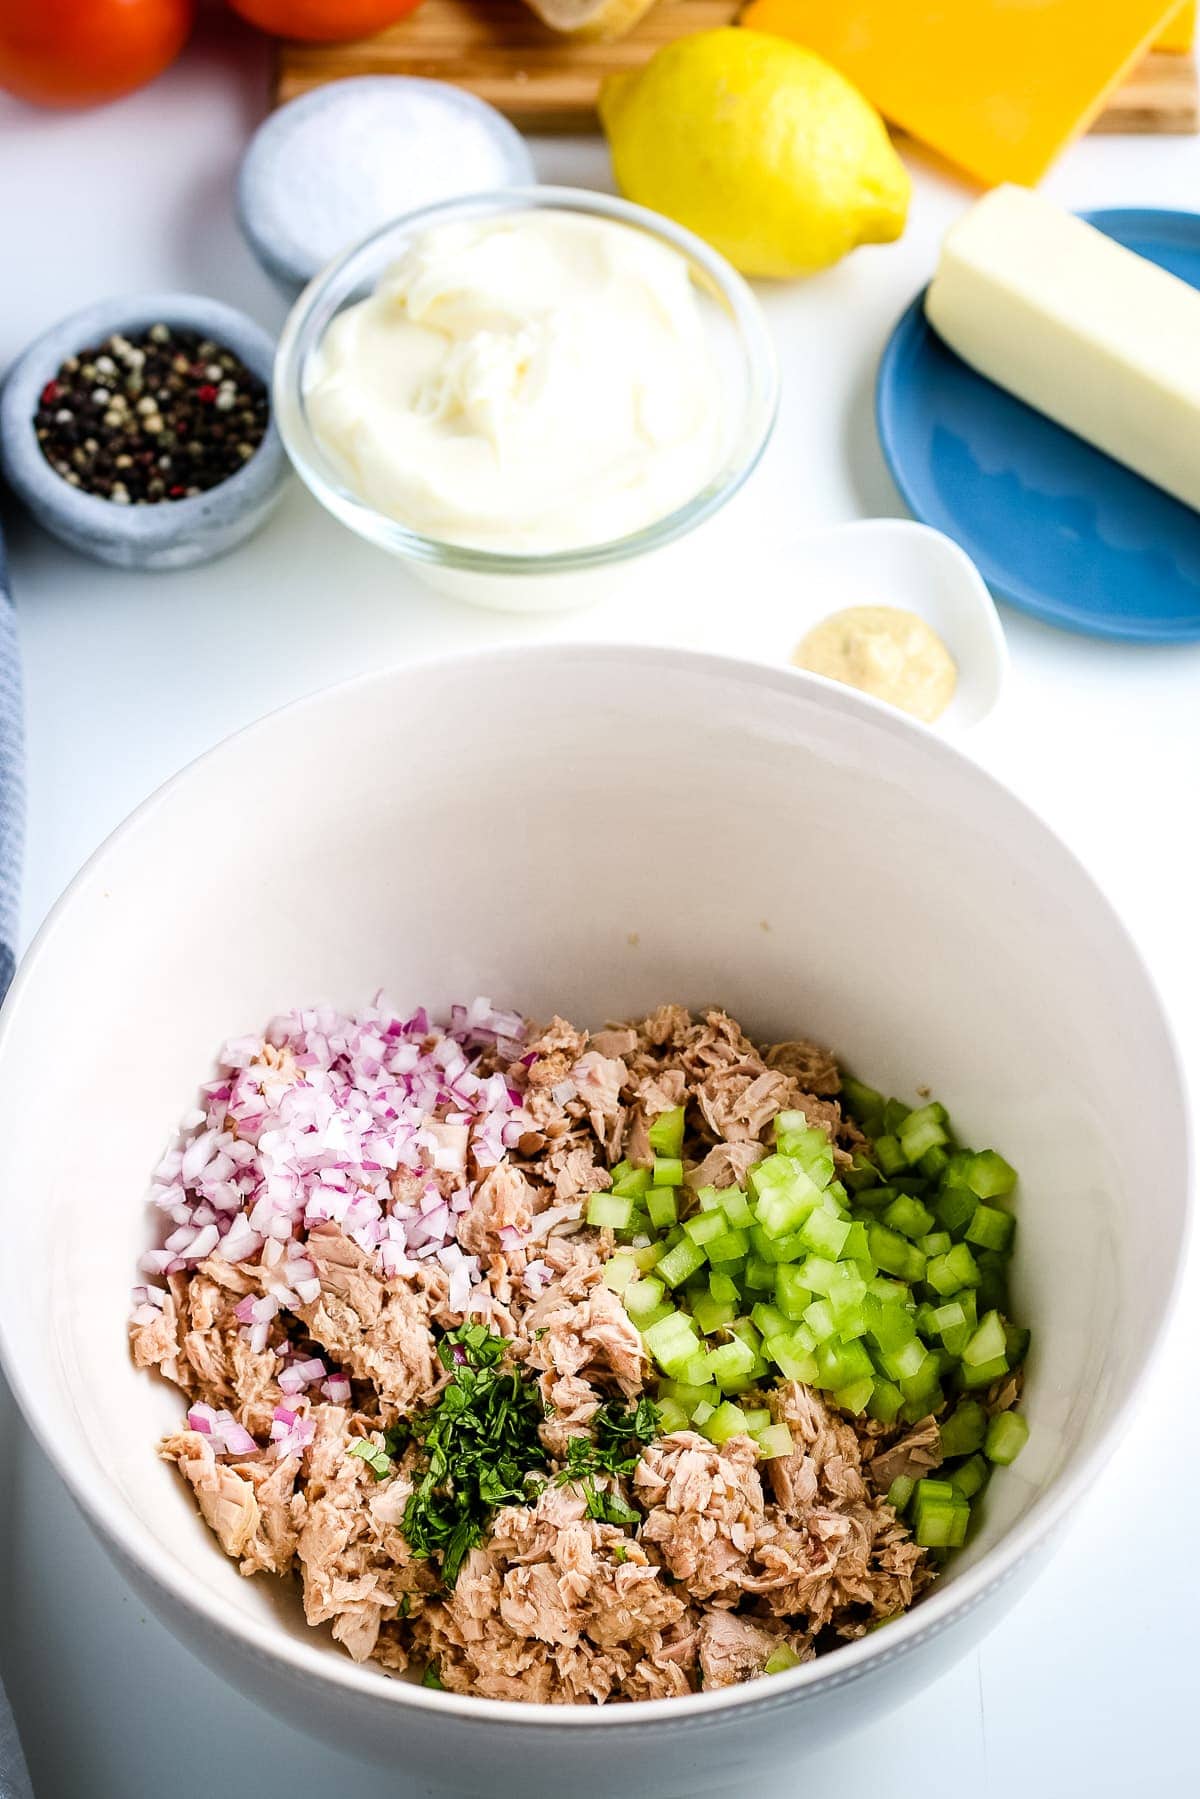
(308, 320)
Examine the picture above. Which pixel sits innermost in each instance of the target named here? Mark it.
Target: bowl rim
(161, 1571)
(161, 522)
(307, 321)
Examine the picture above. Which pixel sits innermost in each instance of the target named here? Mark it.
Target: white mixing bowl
(590, 830)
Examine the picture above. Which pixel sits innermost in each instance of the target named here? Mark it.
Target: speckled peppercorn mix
(162, 414)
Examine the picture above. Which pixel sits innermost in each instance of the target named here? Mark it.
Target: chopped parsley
(482, 1445)
(431, 1678)
(620, 1436)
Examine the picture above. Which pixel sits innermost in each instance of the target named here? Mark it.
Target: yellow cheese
(997, 86)
(1180, 34)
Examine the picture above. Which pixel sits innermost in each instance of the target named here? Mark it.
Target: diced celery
(702, 1414)
(819, 1319)
(1007, 1435)
(806, 1144)
(773, 1441)
(609, 1211)
(894, 1114)
(648, 1256)
(633, 1183)
(954, 1206)
(863, 1104)
(711, 1314)
(982, 1374)
(963, 1431)
(748, 1331)
(886, 1401)
(782, 1208)
(856, 1396)
(666, 1132)
(909, 1217)
(856, 1248)
(905, 1361)
(957, 1268)
(895, 1254)
(991, 1228)
(770, 1320)
(949, 1317)
(688, 1396)
(759, 1275)
(940, 1515)
(971, 1476)
(924, 1383)
(819, 1272)
(935, 1243)
(757, 1419)
(824, 1234)
(696, 1371)
(727, 1421)
(888, 1323)
(722, 1286)
(1017, 1344)
(672, 1341)
(618, 1273)
(671, 1415)
(793, 1362)
(987, 1342)
(730, 1361)
(673, 1236)
(705, 1226)
(668, 1171)
(989, 1175)
(733, 1246)
(641, 1296)
(663, 1206)
(900, 1492)
(791, 1295)
(934, 1163)
(710, 1199)
(737, 1209)
(775, 1250)
(922, 1131)
(680, 1262)
(889, 1155)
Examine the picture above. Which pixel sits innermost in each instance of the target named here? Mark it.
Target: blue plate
(1056, 527)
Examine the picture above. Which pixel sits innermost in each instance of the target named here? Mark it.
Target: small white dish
(759, 606)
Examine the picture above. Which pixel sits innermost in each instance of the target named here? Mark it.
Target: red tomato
(77, 52)
(323, 21)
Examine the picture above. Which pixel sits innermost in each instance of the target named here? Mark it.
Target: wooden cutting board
(498, 49)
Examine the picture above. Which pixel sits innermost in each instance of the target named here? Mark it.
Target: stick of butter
(1097, 338)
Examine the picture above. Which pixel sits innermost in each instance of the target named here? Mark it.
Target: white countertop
(1088, 1687)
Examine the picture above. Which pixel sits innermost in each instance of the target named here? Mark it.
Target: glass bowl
(530, 581)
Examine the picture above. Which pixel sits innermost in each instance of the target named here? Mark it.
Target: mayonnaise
(531, 382)
(884, 651)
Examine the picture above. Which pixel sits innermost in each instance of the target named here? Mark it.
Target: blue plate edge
(1034, 605)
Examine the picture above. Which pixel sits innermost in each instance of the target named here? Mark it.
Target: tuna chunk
(379, 1331)
(594, 1337)
(734, 1649)
(914, 1456)
(159, 1345)
(503, 1201)
(811, 1067)
(560, 1608)
(726, 1165)
(225, 1496)
(598, 1080)
(739, 1103)
(705, 1509)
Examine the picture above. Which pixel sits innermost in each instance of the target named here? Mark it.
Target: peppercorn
(110, 418)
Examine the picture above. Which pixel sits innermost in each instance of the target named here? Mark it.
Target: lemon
(760, 147)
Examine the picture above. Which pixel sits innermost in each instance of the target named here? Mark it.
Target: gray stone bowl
(168, 533)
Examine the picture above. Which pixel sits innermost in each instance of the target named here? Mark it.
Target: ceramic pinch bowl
(165, 534)
(880, 562)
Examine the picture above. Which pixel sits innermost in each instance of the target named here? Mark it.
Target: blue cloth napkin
(14, 1780)
(12, 780)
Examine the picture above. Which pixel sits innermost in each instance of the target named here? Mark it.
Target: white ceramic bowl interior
(590, 831)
